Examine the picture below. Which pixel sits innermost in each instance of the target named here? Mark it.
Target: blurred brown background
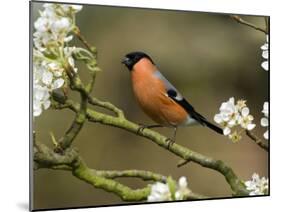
(209, 57)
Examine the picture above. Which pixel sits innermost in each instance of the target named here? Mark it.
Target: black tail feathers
(202, 120)
(213, 127)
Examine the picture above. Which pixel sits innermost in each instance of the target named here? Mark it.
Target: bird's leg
(173, 140)
(142, 127)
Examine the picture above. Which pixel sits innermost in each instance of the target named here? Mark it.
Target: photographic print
(138, 105)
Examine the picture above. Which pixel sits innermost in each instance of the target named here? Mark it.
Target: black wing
(178, 98)
(188, 107)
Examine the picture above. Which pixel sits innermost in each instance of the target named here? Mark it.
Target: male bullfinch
(158, 98)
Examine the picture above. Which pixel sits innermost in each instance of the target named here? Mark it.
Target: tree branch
(235, 183)
(144, 175)
(239, 20)
(44, 157)
(82, 172)
(257, 140)
(80, 118)
(77, 124)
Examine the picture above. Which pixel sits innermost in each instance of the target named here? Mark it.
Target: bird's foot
(170, 142)
(142, 127)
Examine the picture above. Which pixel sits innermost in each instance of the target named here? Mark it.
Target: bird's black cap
(132, 58)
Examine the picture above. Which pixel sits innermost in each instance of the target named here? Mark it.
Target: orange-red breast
(158, 98)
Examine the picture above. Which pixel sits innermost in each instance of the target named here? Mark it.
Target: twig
(106, 105)
(257, 140)
(183, 162)
(266, 20)
(241, 21)
(84, 41)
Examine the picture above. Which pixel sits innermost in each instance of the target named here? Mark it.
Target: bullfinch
(158, 98)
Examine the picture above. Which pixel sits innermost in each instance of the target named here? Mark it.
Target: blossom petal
(218, 118)
(76, 8)
(46, 104)
(251, 126)
(265, 109)
(226, 131)
(265, 135)
(182, 182)
(264, 47)
(178, 195)
(68, 38)
(37, 112)
(232, 122)
(151, 198)
(231, 100)
(245, 111)
(264, 65)
(58, 83)
(47, 77)
(61, 25)
(265, 54)
(38, 93)
(264, 122)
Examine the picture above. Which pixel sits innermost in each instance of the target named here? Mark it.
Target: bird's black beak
(128, 63)
(125, 61)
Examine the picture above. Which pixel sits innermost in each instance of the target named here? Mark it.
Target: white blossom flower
(231, 115)
(246, 119)
(57, 83)
(53, 26)
(46, 78)
(159, 192)
(257, 185)
(264, 49)
(264, 120)
(182, 189)
(61, 25)
(71, 8)
(40, 99)
(235, 137)
(228, 116)
(52, 30)
(240, 104)
(265, 109)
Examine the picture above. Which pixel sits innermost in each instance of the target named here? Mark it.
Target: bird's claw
(141, 128)
(170, 142)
